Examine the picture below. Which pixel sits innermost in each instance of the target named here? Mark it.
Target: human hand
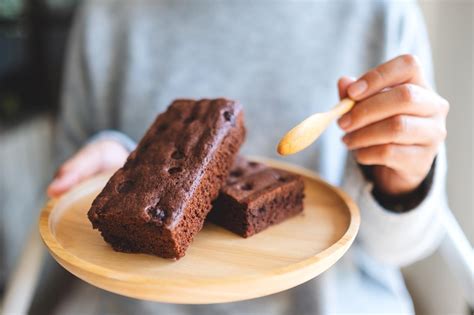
(94, 158)
(397, 124)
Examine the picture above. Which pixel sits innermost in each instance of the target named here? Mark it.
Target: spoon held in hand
(307, 131)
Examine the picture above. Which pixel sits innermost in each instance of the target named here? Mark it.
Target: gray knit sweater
(281, 58)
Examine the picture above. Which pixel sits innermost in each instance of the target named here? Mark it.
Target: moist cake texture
(255, 197)
(158, 200)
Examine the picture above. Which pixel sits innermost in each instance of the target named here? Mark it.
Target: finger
(400, 129)
(62, 184)
(402, 69)
(396, 156)
(406, 99)
(84, 164)
(342, 85)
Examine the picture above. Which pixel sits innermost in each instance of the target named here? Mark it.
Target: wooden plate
(219, 266)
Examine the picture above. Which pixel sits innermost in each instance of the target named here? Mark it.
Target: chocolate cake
(255, 197)
(158, 200)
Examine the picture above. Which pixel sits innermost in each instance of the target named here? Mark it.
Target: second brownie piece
(255, 197)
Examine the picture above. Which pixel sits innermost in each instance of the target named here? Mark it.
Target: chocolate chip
(144, 147)
(247, 186)
(177, 155)
(236, 173)
(125, 186)
(162, 127)
(175, 170)
(190, 119)
(227, 115)
(156, 213)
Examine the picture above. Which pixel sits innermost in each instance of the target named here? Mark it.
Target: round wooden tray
(219, 266)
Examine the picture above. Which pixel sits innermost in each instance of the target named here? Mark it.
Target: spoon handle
(342, 107)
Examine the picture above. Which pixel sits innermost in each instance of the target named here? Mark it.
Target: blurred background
(33, 36)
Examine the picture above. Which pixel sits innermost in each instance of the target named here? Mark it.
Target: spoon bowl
(307, 131)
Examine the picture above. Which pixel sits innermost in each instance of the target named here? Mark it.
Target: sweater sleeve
(398, 238)
(401, 238)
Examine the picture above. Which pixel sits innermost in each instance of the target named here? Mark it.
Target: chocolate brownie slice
(255, 197)
(158, 200)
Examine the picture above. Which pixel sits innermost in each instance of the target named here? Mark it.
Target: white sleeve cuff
(115, 135)
(399, 238)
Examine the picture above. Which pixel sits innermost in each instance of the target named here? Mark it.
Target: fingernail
(357, 88)
(345, 139)
(345, 121)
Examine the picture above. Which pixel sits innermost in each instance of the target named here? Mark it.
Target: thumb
(342, 85)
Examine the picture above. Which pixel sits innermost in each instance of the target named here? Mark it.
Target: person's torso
(280, 59)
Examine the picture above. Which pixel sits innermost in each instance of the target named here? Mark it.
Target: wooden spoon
(307, 131)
